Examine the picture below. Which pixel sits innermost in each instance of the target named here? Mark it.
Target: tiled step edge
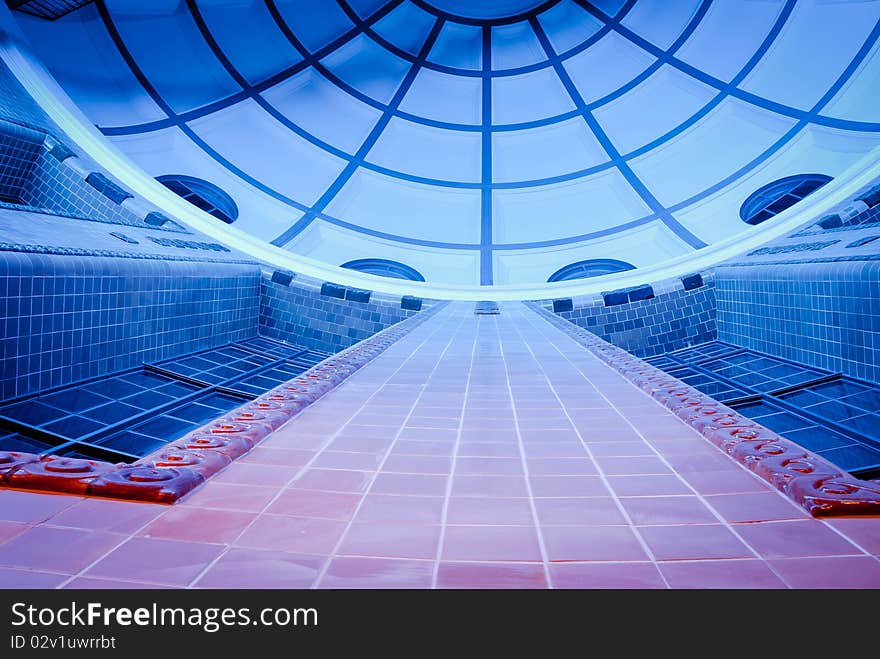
(820, 487)
(180, 466)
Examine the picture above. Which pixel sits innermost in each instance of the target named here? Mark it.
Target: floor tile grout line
(824, 522)
(301, 470)
(581, 367)
(444, 515)
(542, 545)
(699, 496)
(334, 552)
(136, 532)
(848, 539)
(589, 452)
(125, 538)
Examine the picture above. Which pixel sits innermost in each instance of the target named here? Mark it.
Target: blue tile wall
(867, 218)
(821, 314)
(320, 322)
(55, 186)
(19, 147)
(673, 319)
(66, 318)
(41, 180)
(17, 105)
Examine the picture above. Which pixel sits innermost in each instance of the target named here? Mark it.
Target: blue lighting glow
(481, 133)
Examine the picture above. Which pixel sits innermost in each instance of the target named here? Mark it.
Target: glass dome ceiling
(480, 143)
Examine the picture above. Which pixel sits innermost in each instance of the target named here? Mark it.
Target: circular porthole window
(775, 197)
(384, 268)
(203, 194)
(590, 268)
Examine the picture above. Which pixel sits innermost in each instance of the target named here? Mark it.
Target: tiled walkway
(478, 451)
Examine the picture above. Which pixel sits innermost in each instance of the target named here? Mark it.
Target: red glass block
(54, 474)
(823, 497)
(729, 437)
(250, 431)
(274, 419)
(145, 483)
(704, 421)
(750, 453)
(206, 462)
(232, 446)
(780, 470)
(11, 460)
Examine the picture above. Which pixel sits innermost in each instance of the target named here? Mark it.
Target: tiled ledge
(814, 483)
(177, 468)
(115, 254)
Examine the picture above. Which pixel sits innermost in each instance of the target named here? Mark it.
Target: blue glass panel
(528, 97)
(606, 66)
(73, 427)
(816, 438)
(787, 76)
(324, 110)
(653, 108)
(406, 27)
(741, 131)
(728, 35)
(314, 22)
(132, 442)
(32, 413)
(184, 70)
(148, 400)
(459, 46)
(386, 204)
(660, 21)
(74, 400)
(369, 68)
(445, 97)
(366, 8)
(256, 142)
(493, 9)
(535, 153)
(424, 151)
(216, 366)
(271, 348)
(16, 442)
(165, 427)
(84, 45)
(250, 38)
(610, 7)
(112, 412)
(568, 25)
(714, 349)
(176, 389)
(866, 424)
(113, 388)
(853, 457)
(720, 391)
(868, 400)
(514, 46)
(145, 379)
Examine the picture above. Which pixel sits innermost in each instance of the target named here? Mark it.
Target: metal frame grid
(123, 416)
(49, 9)
(829, 413)
(362, 26)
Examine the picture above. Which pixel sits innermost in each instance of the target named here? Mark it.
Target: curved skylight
(202, 194)
(481, 143)
(384, 268)
(773, 198)
(589, 268)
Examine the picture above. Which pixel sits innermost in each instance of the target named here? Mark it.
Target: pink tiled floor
(477, 452)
